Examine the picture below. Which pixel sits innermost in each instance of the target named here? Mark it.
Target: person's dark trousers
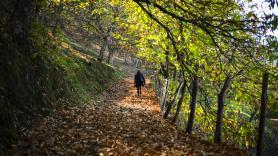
(138, 89)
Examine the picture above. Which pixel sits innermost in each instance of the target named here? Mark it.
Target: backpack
(141, 78)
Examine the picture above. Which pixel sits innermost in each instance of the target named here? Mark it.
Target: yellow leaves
(116, 2)
(83, 5)
(56, 1)
(202, 62)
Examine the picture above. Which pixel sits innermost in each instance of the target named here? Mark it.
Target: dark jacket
(139, 79)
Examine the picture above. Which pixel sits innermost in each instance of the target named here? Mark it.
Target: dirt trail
(118, 123)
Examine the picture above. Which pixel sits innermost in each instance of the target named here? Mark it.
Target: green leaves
(274, 23)
(215, 36)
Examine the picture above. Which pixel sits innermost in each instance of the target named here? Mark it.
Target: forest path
(117, 123)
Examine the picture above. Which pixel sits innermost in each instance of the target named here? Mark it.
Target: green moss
(85, 77)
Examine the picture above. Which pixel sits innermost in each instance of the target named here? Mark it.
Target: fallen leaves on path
(118, 123)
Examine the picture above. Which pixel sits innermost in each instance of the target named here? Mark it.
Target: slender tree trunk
(169, 106)
(167, 64)
(137, 62)
(102, 49)
(221, 101)
(110, 55)
(180, 102)
(262, 114)
(163, 71)
(194, 93)
(126, 57)
(164, 97)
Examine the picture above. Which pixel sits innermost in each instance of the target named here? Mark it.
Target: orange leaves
(117, 123)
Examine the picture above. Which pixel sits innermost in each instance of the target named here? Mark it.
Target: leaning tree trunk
(221, 101)
(192, 105)
(169, 106)
(166, 75)
(262, 114)
(164, 97)
(102, 49)
(180, 102)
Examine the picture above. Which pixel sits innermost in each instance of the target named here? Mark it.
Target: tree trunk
(194, 93)
(164, 97)
(19, 90)
(137, 62)
(126, 57)
(180, 102)
(111, 49)
(169, 106)
(110, 54)
(167, 64)
(19, 23)
(262, 114)
(221, 101)
(102, 49)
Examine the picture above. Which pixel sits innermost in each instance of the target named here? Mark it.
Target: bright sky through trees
(262, 7)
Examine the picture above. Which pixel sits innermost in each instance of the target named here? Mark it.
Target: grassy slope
(62, 75)
(87, 76)
(83, 75)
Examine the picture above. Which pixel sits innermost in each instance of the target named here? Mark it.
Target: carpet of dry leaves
(117, 123)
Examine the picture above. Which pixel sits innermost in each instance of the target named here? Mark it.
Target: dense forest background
(213, 64)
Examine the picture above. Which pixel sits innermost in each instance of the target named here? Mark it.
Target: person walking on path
(139, 81)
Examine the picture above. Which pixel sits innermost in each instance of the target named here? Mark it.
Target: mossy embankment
(54, 74)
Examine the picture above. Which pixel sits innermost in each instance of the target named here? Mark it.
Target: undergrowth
(56, 74)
